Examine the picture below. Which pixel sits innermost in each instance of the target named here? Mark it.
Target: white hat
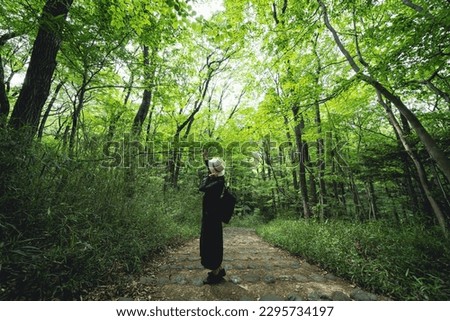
(217, 165)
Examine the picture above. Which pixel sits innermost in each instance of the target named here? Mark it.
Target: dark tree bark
(413, 6)
(144, 108)
(302, 163)
(38, 79)
(4, 102)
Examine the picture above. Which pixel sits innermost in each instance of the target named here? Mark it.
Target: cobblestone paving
(255, 271)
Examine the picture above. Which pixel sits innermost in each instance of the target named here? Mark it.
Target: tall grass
(406, 263)
(68, 225)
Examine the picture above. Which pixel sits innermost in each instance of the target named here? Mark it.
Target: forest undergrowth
(68, 226)
(65, 234)
(405, 263)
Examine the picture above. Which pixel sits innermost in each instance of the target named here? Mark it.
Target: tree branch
(274, 13)
(7, 36)
(412, 5)
(338, 41)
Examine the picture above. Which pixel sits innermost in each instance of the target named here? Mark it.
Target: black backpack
(228, 202)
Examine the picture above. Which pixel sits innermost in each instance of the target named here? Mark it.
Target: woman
(211, 237)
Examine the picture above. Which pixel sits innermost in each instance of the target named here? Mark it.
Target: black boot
(215, 278)
(221, 273)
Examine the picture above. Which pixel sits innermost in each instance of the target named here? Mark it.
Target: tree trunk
(78, 106)
(340, 204)
(36, 86)
(144, 108)
(356, 199)
(320, 143)
(49, 109)
(312, 177)
(412, 5)
(302, 167)
(372, 200)
(393, 201)
(409, 183)
(4, 102)
(438, 91)
(420, 171)
(320, 165)
(291, 156)
(148, 134)
(267, 158)
(433, 149)
(116, 117)
(408, 173)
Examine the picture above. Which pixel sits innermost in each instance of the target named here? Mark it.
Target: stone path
(255, 271)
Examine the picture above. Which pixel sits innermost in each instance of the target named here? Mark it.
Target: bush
(409, 263)
(69, 225)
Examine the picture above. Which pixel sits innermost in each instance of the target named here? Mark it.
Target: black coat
(211, 235)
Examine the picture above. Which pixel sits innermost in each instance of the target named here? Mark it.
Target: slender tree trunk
(331, 157)
(409, 183)
(438, 91)
(433, 149)
(338, 197)
(345, 171)
(302, 164)
(356, 199)
(372, 200)
(312, 177)
(291, 156)
(321, 164)
(320, 143)
(420, 171)
(49, 109)
(412, 5)
(443, 189)
(408, 174)
(148, 135)
(78, 106)
(144, 108)
(117, 115)
(271, 175)
(138, 121)
(393, 201)
(270, 170)
(4, 101)
(36, 86)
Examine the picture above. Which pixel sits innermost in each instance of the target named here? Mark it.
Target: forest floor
(255, 270)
